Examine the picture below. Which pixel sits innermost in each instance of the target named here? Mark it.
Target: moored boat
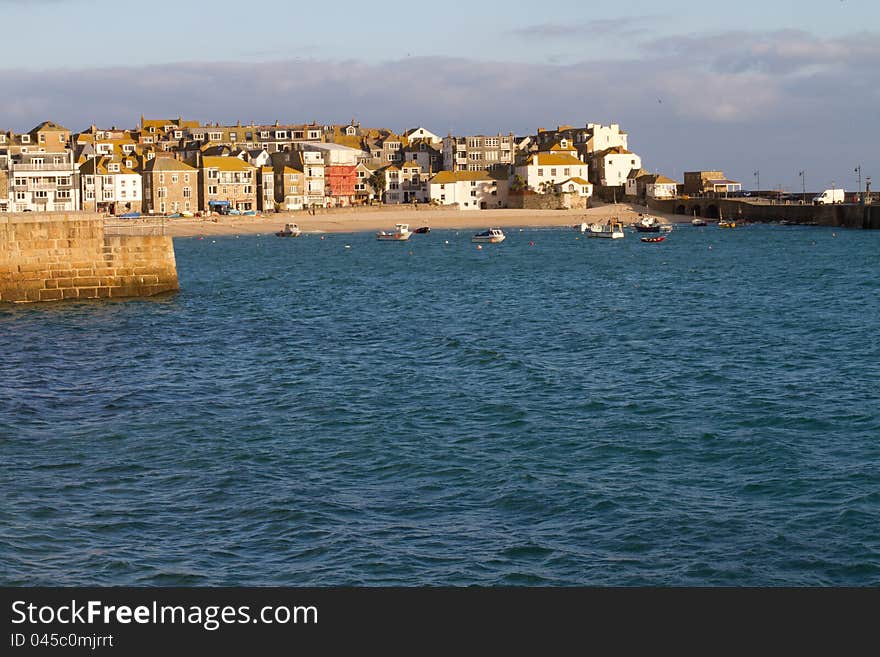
(653, 240)
(610, 230)
(290, 230)
(648, 224)
(400, 233)
(423, 230)
(491, 236)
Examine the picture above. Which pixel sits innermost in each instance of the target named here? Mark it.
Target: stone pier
(72, 255)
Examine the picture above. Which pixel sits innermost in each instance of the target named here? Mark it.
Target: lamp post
(757, 181)
(858, 170)
(803, 186)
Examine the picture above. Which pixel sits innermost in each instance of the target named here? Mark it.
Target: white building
(43, 182)
(471, 190)
(613, 165)
(661, 187)
(546, 169)
(602, 137)
(110, 186)
(421, 133)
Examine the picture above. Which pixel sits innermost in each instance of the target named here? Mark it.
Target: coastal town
(184, 168)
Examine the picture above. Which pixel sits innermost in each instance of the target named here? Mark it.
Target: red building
(340, 181)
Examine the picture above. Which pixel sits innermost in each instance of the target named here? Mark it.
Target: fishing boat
(653, 240)
(610, 229)
(666, 228)
(648, 224)
(290, 230)
(423, 230)
(400, 233)
(725, 224)
(491, 236)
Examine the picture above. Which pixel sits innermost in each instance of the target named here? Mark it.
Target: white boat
(401, 233)
(290, 230)
(610, 229)
(648, 224)
(491, 236)
(583, 227)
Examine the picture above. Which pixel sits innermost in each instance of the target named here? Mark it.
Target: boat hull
(393, 237)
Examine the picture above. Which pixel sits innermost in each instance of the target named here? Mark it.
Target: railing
(141, 226)
(64, 166)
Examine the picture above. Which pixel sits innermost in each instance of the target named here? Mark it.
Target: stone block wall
(56, 256)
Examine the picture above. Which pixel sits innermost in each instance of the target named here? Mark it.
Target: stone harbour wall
(66, 255)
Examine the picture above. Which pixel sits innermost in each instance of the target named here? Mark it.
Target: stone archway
(712, 212)
(680, 209)
(695, 211)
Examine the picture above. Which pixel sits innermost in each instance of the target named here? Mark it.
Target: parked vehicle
(828, 197)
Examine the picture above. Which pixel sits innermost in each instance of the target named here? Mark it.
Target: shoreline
(356, 220)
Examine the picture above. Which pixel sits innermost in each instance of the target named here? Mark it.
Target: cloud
(738, 101)
(594, 29)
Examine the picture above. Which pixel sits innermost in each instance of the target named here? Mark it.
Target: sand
(354, 220)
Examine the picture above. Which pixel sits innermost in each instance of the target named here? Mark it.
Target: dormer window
(178, 134)
(281, 134)
(25, 139)
(152, 130)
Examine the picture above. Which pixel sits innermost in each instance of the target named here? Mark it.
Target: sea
(549, 411)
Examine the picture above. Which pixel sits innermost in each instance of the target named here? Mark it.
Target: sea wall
(67, 255)
(535, 201)
(842, 215)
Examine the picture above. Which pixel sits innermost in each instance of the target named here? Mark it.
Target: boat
(129, 215)
(666, 228)
(658, 238)
(583, 227)
(491, 236)
(188, 215)
(610, 229)
(423, 230)
(648, 224)
(725, 224)
(290, 230)
(249, 213)
(401, 233)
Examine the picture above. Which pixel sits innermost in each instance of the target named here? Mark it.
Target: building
(406, 184)
(613, 165)
(661, 187)
(494, 153)
(4, 178)
(541, 172)
(289, 188)
(424, 152)
(340, 170)
(697, 183)
(109, 186)
(169, 186)
(227, 183)
(635, 183)
(420, 133)
(470, 190)
(43, 181)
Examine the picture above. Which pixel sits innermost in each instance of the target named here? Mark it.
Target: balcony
(65, 166)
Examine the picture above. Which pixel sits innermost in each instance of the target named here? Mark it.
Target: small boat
(129, 215)
(583, 227)
(401, 233)
(423, 230)
(653, 240)
(666, 228)
(290, 230)
(648, 224)
(188, 215)
(491, 236)
(725, 224)
(610, 229)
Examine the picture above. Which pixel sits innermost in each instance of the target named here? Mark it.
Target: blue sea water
(552, 410)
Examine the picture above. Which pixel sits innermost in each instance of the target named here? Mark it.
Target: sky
(762, 90)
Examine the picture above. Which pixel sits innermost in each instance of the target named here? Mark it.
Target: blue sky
(772, 86)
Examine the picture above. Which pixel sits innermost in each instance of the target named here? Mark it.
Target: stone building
(227, 183)
(494, 153)
(170, 186)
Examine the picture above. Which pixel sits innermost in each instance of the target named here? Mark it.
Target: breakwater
(72, 255)
(843, 216)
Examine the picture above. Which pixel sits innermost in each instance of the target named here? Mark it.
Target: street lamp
(858, 170)
(757, 181)
(803, 186)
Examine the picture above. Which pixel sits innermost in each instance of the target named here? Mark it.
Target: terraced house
(495, 153)
(111, 185)
(227, 183)
(43, 181)
(170, 186)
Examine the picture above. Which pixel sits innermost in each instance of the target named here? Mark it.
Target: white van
(829, 196)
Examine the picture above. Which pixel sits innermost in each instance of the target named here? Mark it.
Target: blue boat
(129, 215)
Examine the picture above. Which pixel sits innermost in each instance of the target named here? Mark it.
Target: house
(632, 187)
(109, 186)
(479, 152)
(428, 155)
(42, 181)
(364, 189)
(4, 176)
(421, 133)
(661, 187)
(470, 190)
(575, 186)
(340, 169)
(289, 188)
(708, 182)
(406, 184)
(169, 186)
(542, 171)
(227, 183)
(613, 165)
(310, 164)
(385, 148)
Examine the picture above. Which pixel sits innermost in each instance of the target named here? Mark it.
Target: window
(178, 134)
(475, 156)
(175, 178)
(281, 134)
(213, 174)
(233, 136)
(473, 192)
(108, 194)
(122, 182)
(25, 139)
(442, 197)
(186, 205)
(552, 173)
(212, 189)
(566, 172)
(186, 178)
(187, 192)
(314, 134)
(248, 189)
(492, 141)
(122, 194)
(162, 206)
(215, 136)
(63, 194)
(41, 138)
(161, 178)
(161, 192)
(475, 143)
(148, 140)
(20, 182)
(20, 196)
(264, 134)
(540, 173)
(113, 167)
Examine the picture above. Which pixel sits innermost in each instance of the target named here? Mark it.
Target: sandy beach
(353, 220)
